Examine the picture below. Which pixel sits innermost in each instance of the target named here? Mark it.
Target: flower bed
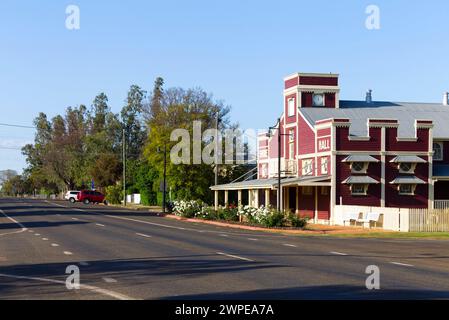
(263, 216)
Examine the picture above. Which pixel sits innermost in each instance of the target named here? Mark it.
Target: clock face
(318, 100)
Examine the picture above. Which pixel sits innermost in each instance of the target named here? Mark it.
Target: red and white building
(357, 153)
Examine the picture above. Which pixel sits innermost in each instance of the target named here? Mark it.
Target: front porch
(308, 197)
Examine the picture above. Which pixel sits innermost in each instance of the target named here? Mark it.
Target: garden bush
(114, 194)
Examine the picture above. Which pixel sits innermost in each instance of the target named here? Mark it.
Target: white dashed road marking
(109, 280)
(37, 234)
(16, 222)
(105, 292)
(68, 253)
(402, 264)
(55, 245)
(338, 253)
(252, 239)
(234, 256)
(143, 235)
(45, 239)
(289, 245)
(100, 225)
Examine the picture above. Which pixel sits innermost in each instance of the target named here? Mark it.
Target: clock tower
(310, 90)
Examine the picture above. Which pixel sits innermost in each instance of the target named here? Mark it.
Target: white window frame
(291, 107)
(324, 165)
(441, 158)
(413, 188)
(307, 164)
(365, 189)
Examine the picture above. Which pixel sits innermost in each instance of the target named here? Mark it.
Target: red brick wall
(393, 145)
(343, 142)
(343, 171)
(323, 204)
(291, 83)
(318, 81)
(306, 137)
(392, 197)
(306, 204)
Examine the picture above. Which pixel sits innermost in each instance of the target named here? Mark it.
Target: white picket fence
(403, 219)
(425, 220)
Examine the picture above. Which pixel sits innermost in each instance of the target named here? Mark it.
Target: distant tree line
(85, 144)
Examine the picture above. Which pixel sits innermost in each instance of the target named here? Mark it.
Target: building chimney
(446, 98)
(369, 96)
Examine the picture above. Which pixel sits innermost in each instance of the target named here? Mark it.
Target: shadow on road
(39, 224)
(334, 292)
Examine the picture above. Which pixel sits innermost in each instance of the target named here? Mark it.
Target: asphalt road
(125, 254)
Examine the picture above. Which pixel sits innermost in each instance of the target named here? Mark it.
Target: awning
(408, 159)
(360, 180)
(273, 183)
(307, 181)
(407, 180)
(360, 158)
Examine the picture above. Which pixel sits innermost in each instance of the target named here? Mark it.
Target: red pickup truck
(88, 196)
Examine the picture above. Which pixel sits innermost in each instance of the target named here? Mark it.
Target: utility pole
(124, 168)
(279, 167)
(164, 193)
(216, 147)
(280, 135)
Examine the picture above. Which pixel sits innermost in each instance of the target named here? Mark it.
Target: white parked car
(72, 196)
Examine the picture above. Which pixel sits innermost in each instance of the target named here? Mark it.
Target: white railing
(441, 204)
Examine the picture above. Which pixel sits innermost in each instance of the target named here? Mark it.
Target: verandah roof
(272, 183)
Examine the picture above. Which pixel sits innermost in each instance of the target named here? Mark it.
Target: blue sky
(238, 50)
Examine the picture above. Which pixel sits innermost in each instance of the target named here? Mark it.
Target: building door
(292, 199)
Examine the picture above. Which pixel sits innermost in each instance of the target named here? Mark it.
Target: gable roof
(406, 113)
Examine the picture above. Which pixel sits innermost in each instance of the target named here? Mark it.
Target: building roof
(408, 159)
(360, 180)
(407, 180)
(405, 112)
(360, 158)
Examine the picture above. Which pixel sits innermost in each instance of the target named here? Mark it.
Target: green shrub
(297, 222)
(274, 219)
(228, 214)
(114, 194)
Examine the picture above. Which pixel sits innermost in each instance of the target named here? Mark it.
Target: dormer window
(360, 163)
(437, 151)
(359, 167)
(407, 164)
(406, 167)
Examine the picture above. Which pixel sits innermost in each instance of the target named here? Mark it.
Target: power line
(16, 126)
